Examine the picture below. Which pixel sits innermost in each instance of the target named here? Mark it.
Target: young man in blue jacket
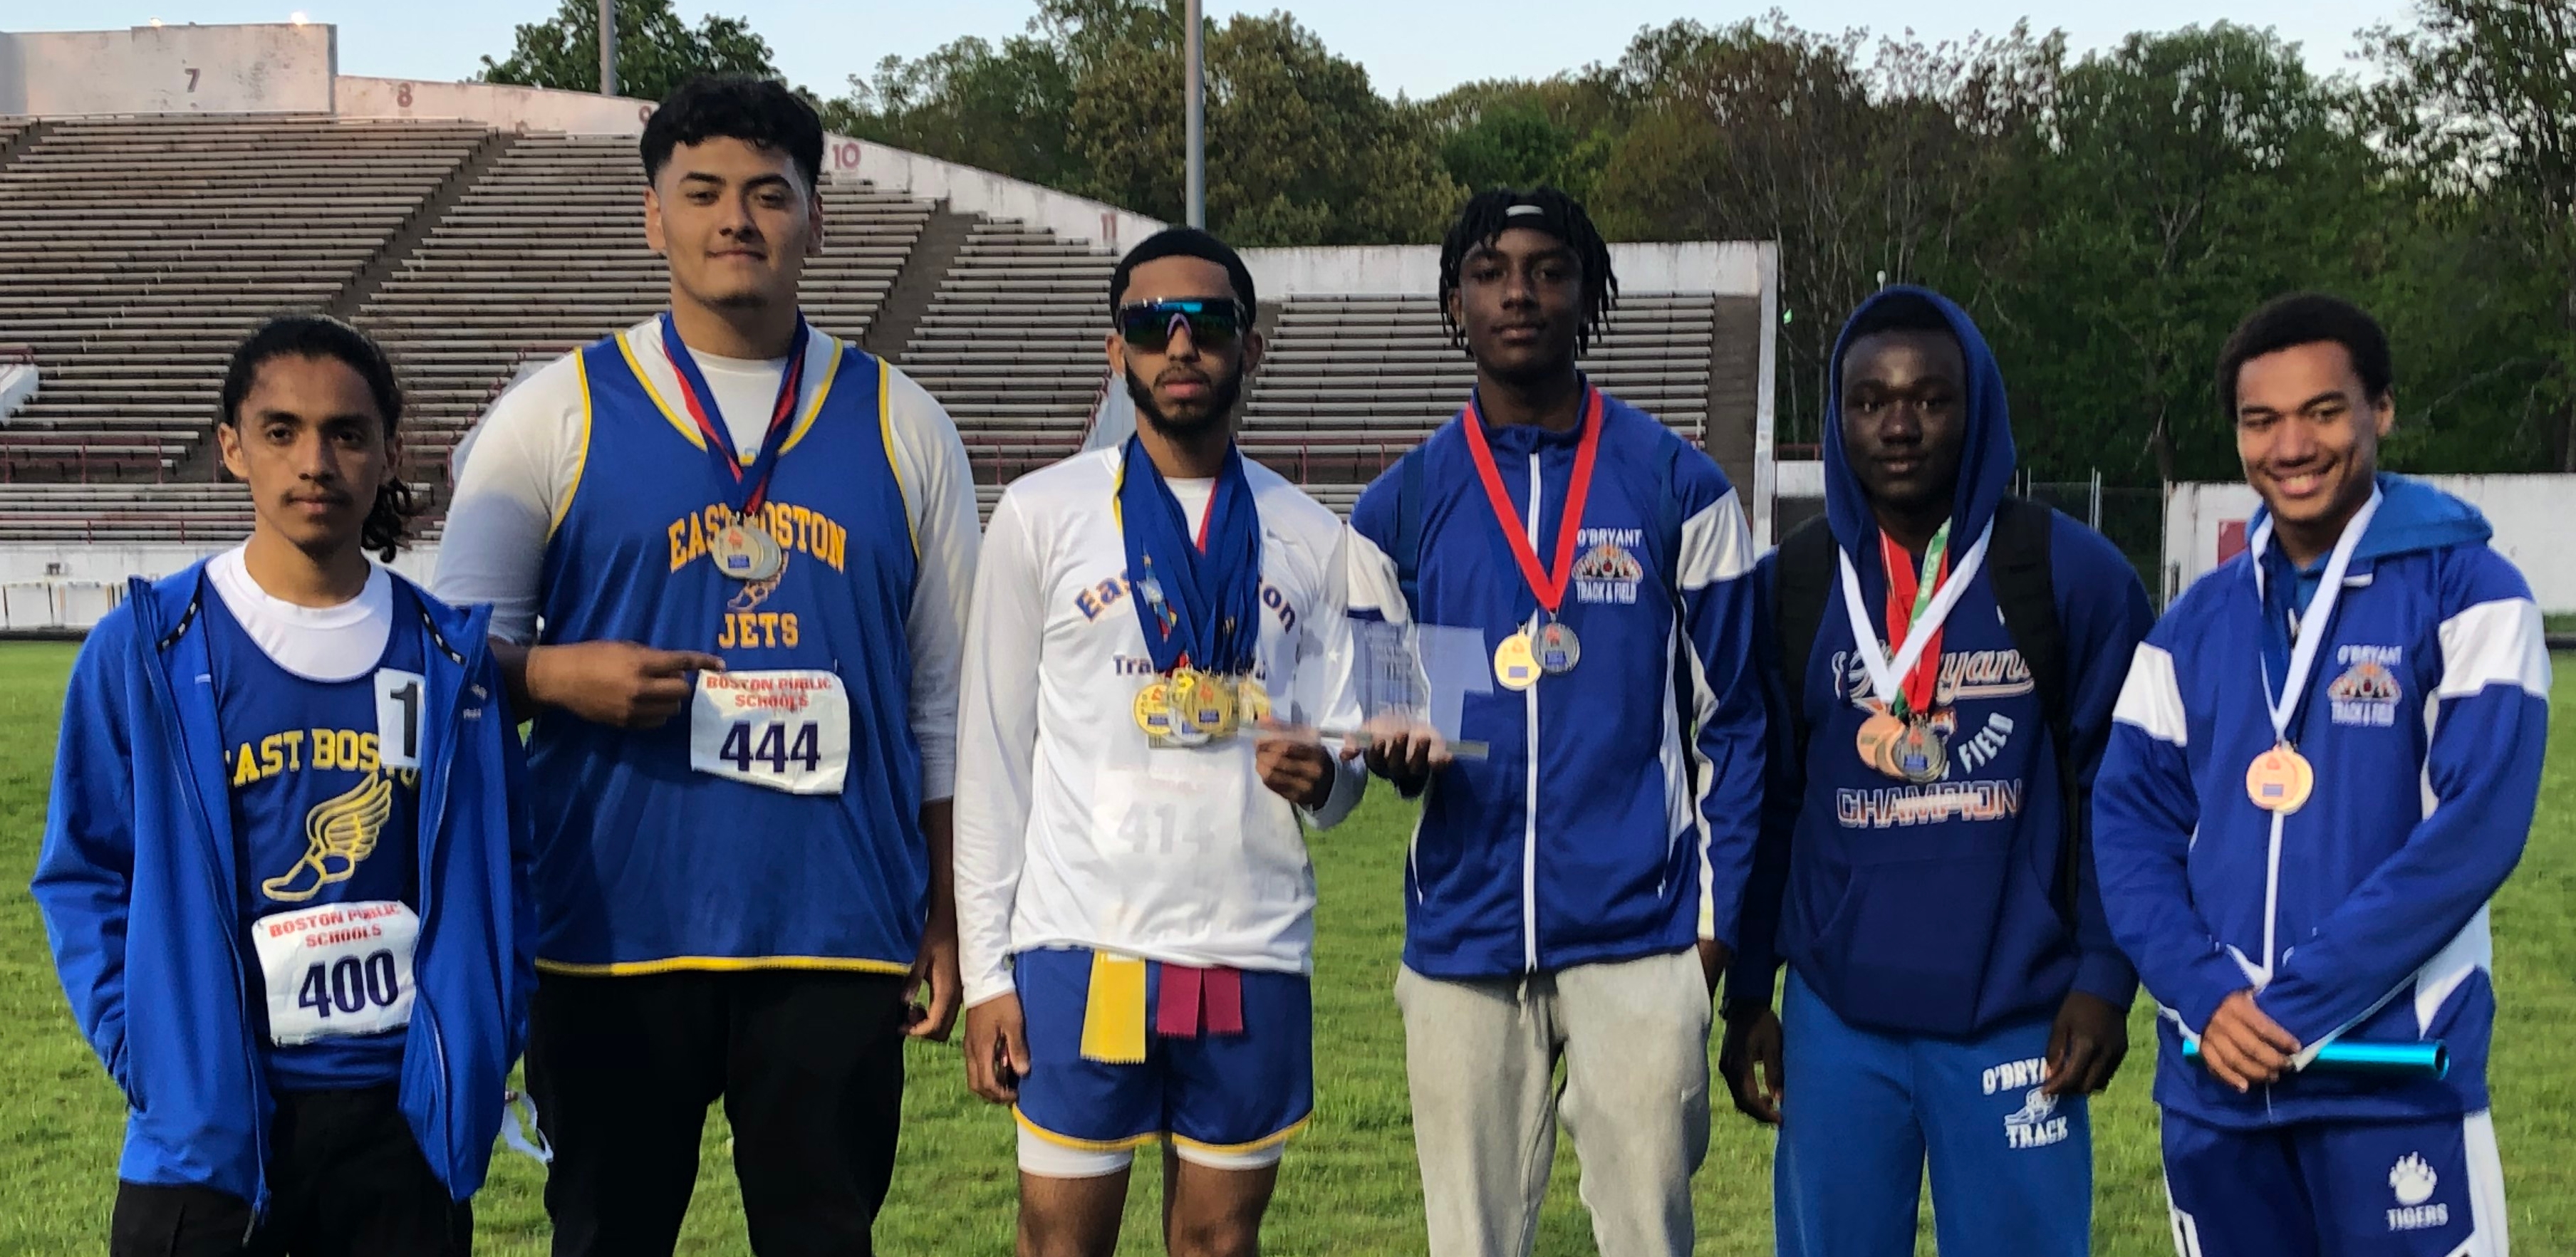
(1941, 662)
(1568, 897)
(285, 863)
(2325, 765)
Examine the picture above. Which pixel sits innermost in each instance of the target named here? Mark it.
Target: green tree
(2478, 103)
(2180, 180)
(1006, 109)
(656, 51)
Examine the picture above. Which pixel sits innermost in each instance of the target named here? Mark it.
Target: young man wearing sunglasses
(728, 557)
(1570, 896)
(1151, 625)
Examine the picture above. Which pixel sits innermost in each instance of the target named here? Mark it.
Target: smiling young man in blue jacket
(1569, 897)
(285, 863)
(2326, 761)
(1954, 992)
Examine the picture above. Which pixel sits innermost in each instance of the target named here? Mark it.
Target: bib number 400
(773, 743)
(351, 985)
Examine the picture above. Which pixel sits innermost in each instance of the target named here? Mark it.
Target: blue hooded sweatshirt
(138, 885)
(1932, 909)
(2425, 718)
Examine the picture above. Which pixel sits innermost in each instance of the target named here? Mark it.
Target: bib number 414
(775, 744)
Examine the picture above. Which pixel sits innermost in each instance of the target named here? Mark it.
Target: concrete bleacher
(1352, 382)
(1011, 346)
(139, 249)
(546, 250)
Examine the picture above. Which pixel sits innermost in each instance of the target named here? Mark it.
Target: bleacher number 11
(399, 698)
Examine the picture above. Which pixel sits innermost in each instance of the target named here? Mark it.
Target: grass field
(1350, 1185)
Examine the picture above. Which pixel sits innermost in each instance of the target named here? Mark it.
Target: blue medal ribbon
(744, 491)
(1200, 608)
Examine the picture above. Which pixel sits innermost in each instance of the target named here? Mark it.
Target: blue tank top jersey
(645, 864)
(317, 820)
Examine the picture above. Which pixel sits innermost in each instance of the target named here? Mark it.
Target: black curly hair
(1490, 213)
(321, 336)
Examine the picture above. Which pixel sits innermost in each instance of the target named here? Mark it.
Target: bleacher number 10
(770, 742)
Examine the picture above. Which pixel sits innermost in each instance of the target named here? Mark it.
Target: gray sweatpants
(1481, 1059)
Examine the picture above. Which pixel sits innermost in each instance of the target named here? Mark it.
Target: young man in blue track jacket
(1568, 897)
(285, 864)
(1953, 992)
(2325, 765)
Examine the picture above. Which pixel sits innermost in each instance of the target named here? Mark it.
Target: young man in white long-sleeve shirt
(1149, 623)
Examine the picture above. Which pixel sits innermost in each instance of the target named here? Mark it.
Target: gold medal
(1920, 754)
(1558, 649)
(1202, 709)
(2279, 779)
(1252, 701)
(1154, 711)
(1878, 736)
(1516, 663)
(745, 553)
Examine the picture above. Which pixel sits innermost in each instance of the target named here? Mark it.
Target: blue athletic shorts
(2428, 1188)
(1213, 1093)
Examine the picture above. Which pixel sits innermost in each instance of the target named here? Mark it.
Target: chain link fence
(2133, 518)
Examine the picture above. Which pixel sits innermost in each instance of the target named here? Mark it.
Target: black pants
(345, 1176)
(810, 1068)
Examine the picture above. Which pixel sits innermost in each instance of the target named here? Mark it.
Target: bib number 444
(774, 744)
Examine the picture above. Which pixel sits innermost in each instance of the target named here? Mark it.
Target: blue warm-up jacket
(1614, 817)
(2365, 916)
(1936, 909)
(137, 884)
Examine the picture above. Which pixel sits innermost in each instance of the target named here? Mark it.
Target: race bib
(340, 969)
(787, 729)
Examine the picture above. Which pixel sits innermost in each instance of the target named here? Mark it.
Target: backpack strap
(1408, 531)
(1801, 579)
(2018, 570)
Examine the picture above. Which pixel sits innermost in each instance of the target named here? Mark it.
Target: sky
(1418, 47)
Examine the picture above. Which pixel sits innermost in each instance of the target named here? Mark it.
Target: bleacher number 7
(400, 698)
(771, 743)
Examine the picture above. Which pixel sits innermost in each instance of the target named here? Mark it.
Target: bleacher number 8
(770, 742)
(350, 985)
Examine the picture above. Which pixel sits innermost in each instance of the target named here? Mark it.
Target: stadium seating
(546, 251)
(1011, 346)
(138, 250)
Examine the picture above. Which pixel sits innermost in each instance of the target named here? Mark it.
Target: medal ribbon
(1210, 577)
(1886, 676)
(2313, 624)
(1909, 595)
(1549, 588)
(709, 416)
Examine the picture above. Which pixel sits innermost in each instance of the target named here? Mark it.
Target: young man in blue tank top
(729, 556)
(285, 862)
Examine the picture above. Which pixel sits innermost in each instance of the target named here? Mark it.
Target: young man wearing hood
(2325, 765)
(1569, 897)
(1953, 990)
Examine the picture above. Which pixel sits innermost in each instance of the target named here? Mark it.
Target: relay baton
(1468, 749)
(2430, 1058)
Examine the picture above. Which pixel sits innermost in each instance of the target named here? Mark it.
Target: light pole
(1195, 58)
(607, 47)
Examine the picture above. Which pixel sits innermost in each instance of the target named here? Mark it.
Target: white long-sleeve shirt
(518, 468)
(1071, 829)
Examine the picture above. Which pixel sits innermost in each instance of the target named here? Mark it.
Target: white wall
(69, 586)
(521, 109)
(971, 191)
(270, 68)
(2529, 514)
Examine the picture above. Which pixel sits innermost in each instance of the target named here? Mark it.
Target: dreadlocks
(1490, 213)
